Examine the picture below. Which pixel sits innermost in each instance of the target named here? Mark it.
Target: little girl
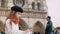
(12, 21)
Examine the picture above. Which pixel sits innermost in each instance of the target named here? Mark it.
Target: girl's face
(18, 14)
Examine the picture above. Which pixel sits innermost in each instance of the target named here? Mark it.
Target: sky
(54, 11)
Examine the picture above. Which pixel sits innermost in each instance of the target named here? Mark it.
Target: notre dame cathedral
(34, 10)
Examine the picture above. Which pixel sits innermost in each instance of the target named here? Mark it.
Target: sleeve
(8, 26)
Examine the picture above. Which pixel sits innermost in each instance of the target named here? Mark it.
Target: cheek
(18, 15)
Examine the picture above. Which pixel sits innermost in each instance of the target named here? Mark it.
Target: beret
(16, 9)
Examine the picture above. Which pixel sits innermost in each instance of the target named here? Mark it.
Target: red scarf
(15, 20)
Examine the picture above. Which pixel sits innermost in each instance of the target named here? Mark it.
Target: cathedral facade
(34, 10)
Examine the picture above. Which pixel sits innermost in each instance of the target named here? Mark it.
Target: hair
(38, 28)
(11, 15)
(49, 17)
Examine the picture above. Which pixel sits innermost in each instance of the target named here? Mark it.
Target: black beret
(17, 9)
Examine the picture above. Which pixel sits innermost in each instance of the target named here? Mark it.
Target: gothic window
(2, 3)
(33, 5)
(18, 2)
(38, 6)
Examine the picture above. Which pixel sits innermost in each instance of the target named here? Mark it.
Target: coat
(49, 28)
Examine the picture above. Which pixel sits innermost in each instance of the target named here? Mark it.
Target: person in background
(2, 27)
(49, 26)
(0, 30)
(57, 30)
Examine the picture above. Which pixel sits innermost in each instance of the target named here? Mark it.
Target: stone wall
(29, 16)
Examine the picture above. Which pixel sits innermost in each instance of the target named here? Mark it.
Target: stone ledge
(4, 9)
(25, 14)
(31, 11)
